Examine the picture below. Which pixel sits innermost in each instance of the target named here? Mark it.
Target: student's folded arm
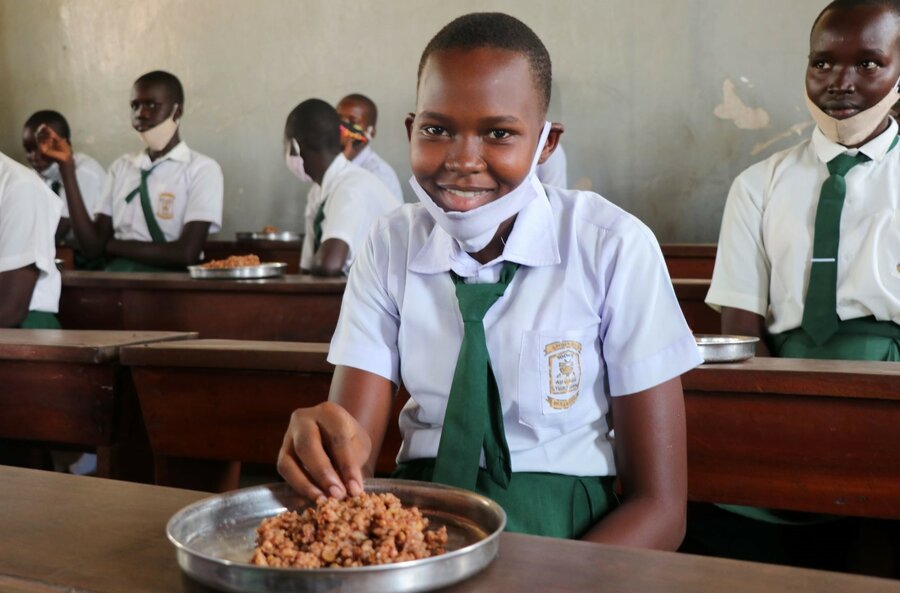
(738, 322)
(92, 235)
(330, 448)
(62, 229)
(16, 288)
(651, 459)
(329, 260)
(182, 252)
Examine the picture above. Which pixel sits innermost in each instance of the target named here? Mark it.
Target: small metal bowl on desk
(265, 270)
(279, 236)
(715, 348)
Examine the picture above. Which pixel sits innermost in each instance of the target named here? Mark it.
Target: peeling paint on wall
(794, 130)
(734, 109)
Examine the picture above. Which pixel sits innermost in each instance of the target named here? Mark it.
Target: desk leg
(131, 457)
(198, 474)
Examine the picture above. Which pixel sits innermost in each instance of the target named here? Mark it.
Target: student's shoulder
(198, 160)
(761, 173)
(15, 175)
(85, 162)
(358, 179)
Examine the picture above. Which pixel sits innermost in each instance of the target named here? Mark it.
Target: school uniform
(590, 314)
(183, 186)
(344, 207)
(553, 171)
(29, 215)
(765, 253)
(373, 163)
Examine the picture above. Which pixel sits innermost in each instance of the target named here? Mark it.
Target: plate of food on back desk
(237, 267)
(269, 233)
(399, 535)
(716, 348)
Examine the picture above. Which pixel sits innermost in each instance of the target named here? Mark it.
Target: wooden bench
(300, 308)
(66, 387)
(690, 260)
(807, 435)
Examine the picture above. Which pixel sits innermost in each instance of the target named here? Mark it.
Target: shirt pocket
(558, 371)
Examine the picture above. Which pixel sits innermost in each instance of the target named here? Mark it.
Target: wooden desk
(690, 260)
(300, 308)
(268, 251)
(229, 400)
(66, 387)
(71, 533)
(809, 435)
(701, 318)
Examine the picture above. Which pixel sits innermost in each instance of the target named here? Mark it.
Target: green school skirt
(40, 320)
(120, 264)
(546, 504)
(856, 339)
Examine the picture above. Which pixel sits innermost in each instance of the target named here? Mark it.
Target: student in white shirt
(553, 171)
(582, 327)
(359, 116)
(344, 200)
(89, 175)
(30, 283)
(158, 205)
(772, 257)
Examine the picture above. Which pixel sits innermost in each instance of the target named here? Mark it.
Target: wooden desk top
(84, 346)
(71, 533)
(232, 354)
(300, 283)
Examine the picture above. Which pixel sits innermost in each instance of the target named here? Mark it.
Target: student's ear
(556, 130)
(178, 112)
(409, 122)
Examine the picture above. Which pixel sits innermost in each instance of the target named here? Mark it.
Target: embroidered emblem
(166, 206)
(564, 366)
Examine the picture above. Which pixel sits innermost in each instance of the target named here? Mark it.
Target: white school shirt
(186, 186)
(553, 171)
(91, 179)
(590, 314)
(373, 163)
(765, 245)
(354, 199)
(29, 215)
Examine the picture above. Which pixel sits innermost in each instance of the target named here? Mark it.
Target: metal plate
(215, 539)
(716, 348)
(266, 270)
(281, 236)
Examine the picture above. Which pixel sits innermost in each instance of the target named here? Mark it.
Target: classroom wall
(664, 101)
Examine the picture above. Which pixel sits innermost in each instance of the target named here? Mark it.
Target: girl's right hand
(52, 145)
(324, 452)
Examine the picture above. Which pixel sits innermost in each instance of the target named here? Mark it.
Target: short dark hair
(54, 119)
(315, 124)
(892, 5)
(166, 79)
(495, 30)
(368, 103)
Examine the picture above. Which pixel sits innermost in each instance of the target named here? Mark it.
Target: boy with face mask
(359, 115)
(158, 205)
(809, 251)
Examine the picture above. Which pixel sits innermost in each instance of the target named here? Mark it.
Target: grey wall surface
(664, 101)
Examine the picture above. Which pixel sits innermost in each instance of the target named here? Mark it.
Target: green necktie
(820, 320)
(474, 417)
(317, 227)
(155, 232)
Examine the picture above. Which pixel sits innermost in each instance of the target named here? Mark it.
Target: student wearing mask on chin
(344, 200)
(158, 205)
(359, 115)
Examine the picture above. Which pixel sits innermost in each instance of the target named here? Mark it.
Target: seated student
(810, 243)
(89, 175)
(158, 205)
(359, 116)
(29, 281)
(521, 320)
(344, 200)
(553, 172)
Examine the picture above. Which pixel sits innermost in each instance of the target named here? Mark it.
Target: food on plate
(233, 261)
(270, 228)
(363, 530)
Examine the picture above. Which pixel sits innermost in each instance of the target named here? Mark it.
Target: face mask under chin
(854, 130)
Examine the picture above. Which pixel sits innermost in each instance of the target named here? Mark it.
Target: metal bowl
(279, 236)
(215, 539)
(266, 270)
(716, 348)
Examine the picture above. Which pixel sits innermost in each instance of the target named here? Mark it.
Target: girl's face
(477, 123)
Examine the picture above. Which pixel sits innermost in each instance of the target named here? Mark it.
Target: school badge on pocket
(165, 209)
(563, 375)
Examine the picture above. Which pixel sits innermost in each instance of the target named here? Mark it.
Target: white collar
(180, 153)
(363, 156)
(333, 171)
(875, 149)
(532, 242)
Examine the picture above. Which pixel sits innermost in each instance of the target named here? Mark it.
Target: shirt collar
(532, 242)
(179, 153)
(875, 149)
(333, 171)
(363, 156)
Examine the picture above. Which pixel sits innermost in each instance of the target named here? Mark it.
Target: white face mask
(159, 136)
(473, 230)
(51, 172)
(294, 162)
(853, 130)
